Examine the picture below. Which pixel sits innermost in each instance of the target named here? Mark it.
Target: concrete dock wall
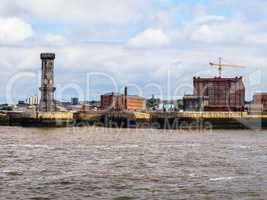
(54, 116)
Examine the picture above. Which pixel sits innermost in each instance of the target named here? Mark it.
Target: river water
(97, 163)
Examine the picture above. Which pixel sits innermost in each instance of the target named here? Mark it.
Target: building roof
(195, 97)
(166, 101)
(48, 56)
(217, 79)
(260, 94)
(112, 94)
(119, 94)
(136, 96)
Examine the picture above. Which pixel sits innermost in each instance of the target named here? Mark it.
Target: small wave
(110, 147)
(123, 198)
(26, 146)
(222, 178)
(36, 146)
(245, 147)
(192, 175)
(13, 173)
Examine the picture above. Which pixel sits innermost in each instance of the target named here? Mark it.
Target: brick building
(260, 99)
(112, 101)
(259, 103)
(224, 94)
(119, 102)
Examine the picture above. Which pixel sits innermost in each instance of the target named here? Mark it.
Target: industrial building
(258, 104)
(223, 94)
(119, 102)
(167, 105)
(260, 99)
(193, 103)
(33, 100)
(74, 101)
(218, 93)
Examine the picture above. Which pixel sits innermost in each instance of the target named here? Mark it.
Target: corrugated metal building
(225, 94)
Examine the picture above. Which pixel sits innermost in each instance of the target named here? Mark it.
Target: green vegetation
(152, 103)
(180, 104)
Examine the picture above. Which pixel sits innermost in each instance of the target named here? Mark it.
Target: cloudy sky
(153, 46)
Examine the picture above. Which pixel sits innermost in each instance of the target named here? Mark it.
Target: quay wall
(155, 119)
(55, 116)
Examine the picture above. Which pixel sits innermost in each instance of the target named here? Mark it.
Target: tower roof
(48, 56)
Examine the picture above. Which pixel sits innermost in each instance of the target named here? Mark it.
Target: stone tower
(47, 102)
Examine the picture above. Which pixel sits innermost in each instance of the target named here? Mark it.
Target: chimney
(125, 97)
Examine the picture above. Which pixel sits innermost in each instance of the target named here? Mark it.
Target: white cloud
(219, 30)
(150, 38)
(209, 19)
(257, 38)
(82, 10)
(14, 30)
(55, 39)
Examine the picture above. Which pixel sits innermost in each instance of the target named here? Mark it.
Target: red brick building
(224, 94)
(259, 103)
(112, 101)
(119, 102)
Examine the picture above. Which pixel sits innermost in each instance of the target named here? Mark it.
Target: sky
(152, 46)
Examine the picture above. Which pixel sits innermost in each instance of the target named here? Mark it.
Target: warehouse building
(260, 99)
(193, 103)
(120, 102)
(258, 104)
(223, 94)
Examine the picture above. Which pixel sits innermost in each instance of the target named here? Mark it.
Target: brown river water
(98, 163)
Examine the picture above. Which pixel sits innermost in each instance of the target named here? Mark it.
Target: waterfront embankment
(155, 120)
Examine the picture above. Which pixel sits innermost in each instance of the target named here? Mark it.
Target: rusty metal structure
(224, 94)
(47, 102)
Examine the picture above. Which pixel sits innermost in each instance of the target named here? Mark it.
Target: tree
(152, 103)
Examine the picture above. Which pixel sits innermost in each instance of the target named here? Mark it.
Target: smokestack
(125, 97)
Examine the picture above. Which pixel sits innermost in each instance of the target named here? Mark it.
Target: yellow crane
(220, 66)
